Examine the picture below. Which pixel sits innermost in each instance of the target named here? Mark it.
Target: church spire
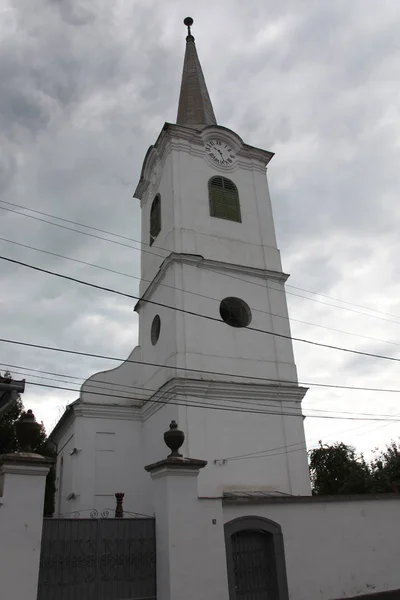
(195, 108)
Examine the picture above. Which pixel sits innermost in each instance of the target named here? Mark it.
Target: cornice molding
(65, 421)
(192, 141)
(286, 396)
(226, 390)
(211, 265)
(108, 411)
(175, 471)
(283, 396)
(25, 463)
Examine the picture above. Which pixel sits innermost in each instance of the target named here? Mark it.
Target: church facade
(214, 350)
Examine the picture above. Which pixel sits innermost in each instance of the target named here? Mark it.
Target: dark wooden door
(254, 566)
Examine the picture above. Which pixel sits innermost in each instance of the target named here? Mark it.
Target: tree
(336, 469)
(9, 444)
(385, 469)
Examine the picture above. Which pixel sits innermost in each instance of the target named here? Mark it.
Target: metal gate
(98, 559)
(254, 566)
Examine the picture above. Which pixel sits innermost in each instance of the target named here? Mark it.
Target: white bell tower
(213, 320)
(214, 351)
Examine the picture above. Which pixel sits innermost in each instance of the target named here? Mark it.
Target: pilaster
(191, 559)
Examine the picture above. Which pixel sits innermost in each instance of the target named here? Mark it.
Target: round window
(235, 312)
(155, 329)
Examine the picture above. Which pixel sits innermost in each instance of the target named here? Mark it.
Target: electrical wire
(294, 287)
(92, 235)
(190, 369)
(193, 313)
(168, 252)
(247, 400)
(214, 406)
(265, 452)
(286, 318)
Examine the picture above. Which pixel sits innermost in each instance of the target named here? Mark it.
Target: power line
(193, 313)
(259, 454)
(192, 370)
(344, 301)
(214, 406)
(129, 387)
(237, 400)
(39, 212)
(82, 262)
(372, 389)
(189, 403)
(168, 251)
(264, 453)
(81, 232)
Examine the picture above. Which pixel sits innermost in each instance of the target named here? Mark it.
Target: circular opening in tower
(235, 312)
(155, 330)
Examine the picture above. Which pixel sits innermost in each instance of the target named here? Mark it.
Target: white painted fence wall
(22, 486)
(335, 549)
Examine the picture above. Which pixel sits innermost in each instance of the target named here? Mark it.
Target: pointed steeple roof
(195, 108)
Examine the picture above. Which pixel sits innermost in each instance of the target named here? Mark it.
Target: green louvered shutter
(224, 199)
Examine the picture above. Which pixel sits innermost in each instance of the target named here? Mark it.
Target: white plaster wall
(109, 460)
(103, 472)
(190, 542)
(188, 341)
(121, 385)
(191, 342)
(335, 549)
(152, 256)
(215, 346)
(164, 351)
(251, 242)
(216, 435)
(187, 226)
(194, 342)
(64, 467)
(21, 520)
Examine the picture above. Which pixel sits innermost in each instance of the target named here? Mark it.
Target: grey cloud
(86, 88)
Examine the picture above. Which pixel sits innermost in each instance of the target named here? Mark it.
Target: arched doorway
(255, 559)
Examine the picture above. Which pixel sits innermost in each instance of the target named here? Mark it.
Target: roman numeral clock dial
(220, 152)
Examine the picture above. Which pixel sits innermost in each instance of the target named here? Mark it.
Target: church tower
(210, 253)
(214, 350)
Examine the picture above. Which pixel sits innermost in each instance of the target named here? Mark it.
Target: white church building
(211, 289)
(215, 355)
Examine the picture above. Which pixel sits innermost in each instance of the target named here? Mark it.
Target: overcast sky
(86, 86)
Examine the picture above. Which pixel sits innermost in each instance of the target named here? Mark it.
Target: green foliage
(9, 444)
(337, 469)
(386, 469)
(8, 440)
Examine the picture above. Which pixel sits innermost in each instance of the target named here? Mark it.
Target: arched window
(155, 218)
(255, 559)
(224, 199)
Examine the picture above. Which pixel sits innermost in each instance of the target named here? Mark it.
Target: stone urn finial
(174, 439)
(27, 429)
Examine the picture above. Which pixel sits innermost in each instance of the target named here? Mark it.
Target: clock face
(220, 152)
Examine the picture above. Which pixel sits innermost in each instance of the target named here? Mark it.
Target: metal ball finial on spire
(188, 21)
